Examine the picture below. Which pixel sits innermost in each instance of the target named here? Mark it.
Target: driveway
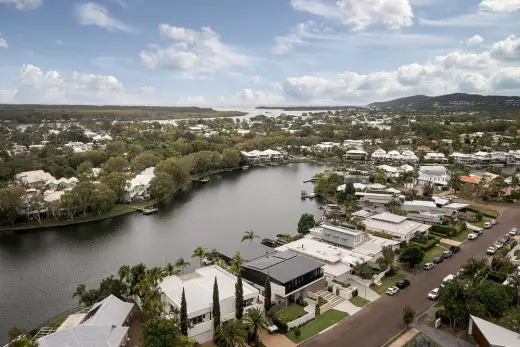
(381, 320)
(275, 340)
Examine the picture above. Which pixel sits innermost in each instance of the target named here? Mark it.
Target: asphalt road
(377, 323)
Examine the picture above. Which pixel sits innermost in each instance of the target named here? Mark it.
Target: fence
(302, 320)
(325, 307)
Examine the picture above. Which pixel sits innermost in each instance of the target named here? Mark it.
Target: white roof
(420, 203)
(198, 287)
(495, 334)
(440, 201)
(394, 224)
(376, 186)
(389, 217)
(86, 335)
(50, 195)
(359, 186)
(406, 167)
(394, 152)
(456, 206)
(393, 190)
(362, 213)
(356, 151)
(110, 311)
(35, 176)
(341, 230)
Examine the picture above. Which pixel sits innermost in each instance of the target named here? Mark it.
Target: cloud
(361, 14)
(500, 5)
(509, 49)
(3, 42)
(192, 53)
(299, 35)
(23, 4)
(59, 42)
(96, 15)
(121, 3)
(250, 97)
(473, 40)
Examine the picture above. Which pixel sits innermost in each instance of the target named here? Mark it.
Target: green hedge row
(485, 214)
(443, 230)
(427, 245)
(496, 276)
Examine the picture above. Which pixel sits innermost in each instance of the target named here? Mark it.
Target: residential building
(374, 201)
(423, 148)
(470, 179)
(379, 155)
(398, 226)
(435, 157)
(513, 157)
(138, 188)
(487, 334)
(18, 149)
(390, 171)
(356, 154)
(394, 156)
(357, 144)
(409, 157)
(198, 291)
(483, 157)
(63, 183)
(462, 158)
(34, 179)
(291, 274)
(340, 236)
(435, 175)
(103, 324)
(256, 156)
(498, 157)
(326, 146)
(80, 147)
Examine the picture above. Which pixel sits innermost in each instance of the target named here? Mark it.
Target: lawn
(359, 301)
(388, 282)
(318, 324)
(432, 253)
(421, 337)
(463, 235)
(290, 313)
(486, 211)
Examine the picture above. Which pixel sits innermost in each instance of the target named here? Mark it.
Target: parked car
(472, 236)
(479, 231)
(447, 279)
(429, 266)
(487, 225)
(438, 260)
(392, 291)
(401, 284)
(434, 294)
(491, 250)
(506, 238)
(513, 231)
(447, 254)
(493, 222)
(498, 244)
(454, 249)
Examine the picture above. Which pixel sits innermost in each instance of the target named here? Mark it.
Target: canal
(40, 270)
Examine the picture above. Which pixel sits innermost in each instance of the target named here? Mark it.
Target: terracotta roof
(470, 179)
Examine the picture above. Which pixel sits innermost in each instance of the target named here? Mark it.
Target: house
(394, 156)
(291, 274)
(435, 157)
(483, 157)
(256, 156)
(80, 147)
(18, 149)
(138, 188)
(399, 227)
(103, 324)
(461, 158)
(248, 251)
(326, 146)
(356, 154)
(435, 175)
(379, 155)
(409, 157)
(390, 171)
(62, 183)
(487, 334)
(498, 157)
(374, 201)
(340, 236)
(34, 179)
(357, 144)
(198, 290)
(513, 157)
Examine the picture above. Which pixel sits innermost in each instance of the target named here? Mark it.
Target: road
(377, 323)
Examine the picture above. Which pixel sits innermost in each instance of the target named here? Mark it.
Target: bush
(496, 276)
(441, 313)
(282, 326)
(355, 292)
(426, 245)
(321, 301)
(341, 283)
(390, 272)
(297, 331)
(514, 243)
(443, 230)
(479, 213)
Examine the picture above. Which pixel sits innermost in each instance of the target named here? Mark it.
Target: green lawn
(290, 313)
(486, 211)
(318, 324)
(388, 282)
(359, 301)
(462, 235)
(421, 336)
(432, 254)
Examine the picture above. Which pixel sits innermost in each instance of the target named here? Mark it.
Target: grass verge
(432, 254)
(359, 301)
(318, 324)
(389, 282)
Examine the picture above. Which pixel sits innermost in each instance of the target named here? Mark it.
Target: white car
(434, 294)
(493, 222)
(392, 290)
(498, 245)
(513, 231)
(472, 236)
(491, 250)
(488, 225)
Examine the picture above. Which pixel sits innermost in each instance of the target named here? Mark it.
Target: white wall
(302, 320)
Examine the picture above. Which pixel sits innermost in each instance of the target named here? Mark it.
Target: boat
(303, 194)
(311, 195)
(202, 180)
(245, 167)
(148, 211)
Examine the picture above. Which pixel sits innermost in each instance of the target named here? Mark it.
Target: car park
(438, 260)
(454, 249)
(491, 250)
(472, 236)
(428, 266)
(401, 284)
(447, 254)
(487, 225)
(392, 291)
(433, 294)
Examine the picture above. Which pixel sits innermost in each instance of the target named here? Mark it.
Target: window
(248, 302)
(197, 320)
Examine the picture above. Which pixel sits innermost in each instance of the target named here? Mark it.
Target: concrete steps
(331, 298)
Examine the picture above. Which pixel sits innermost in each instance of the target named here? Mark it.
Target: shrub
(355, 292)
(426, 245)
(341, 283)
(443, 230)
(480, 213)
(297, 331)
(441, 313)
(496, 276)
(390, 272)
(321, 301)
(282, 326)
(514, 243)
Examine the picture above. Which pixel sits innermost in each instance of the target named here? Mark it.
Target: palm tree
(171, 270)
(236, 263)
(81, 289)
(155, 274)
(124, 273)
(181, 263)
(213, 255)
(475, 269)
(249, 235)
(199, 252)
(255, 320)
(233, 334)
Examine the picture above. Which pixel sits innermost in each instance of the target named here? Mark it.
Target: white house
(198, 290)
(409, 157)
(357, 144)
(379, 154)
(62, 183)
(138, 188)
(80, 147)
(462, 158)
(398, 226)
(394, 156)
(34, 179)
(435, 157)
(435, 175)
(326, 146)
(356, 154)
(483, 157)
(513, 157)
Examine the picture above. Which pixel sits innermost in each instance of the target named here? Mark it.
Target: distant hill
(452, 101)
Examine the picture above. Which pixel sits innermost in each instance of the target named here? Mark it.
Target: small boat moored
(245, 167)
(148, 211)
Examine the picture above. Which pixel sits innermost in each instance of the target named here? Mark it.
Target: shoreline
(132, 208)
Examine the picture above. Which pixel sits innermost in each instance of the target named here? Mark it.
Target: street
(383, 319)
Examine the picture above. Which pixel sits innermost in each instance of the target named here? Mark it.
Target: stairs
(332, 299)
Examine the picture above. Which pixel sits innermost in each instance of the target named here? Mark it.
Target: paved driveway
(381, 320)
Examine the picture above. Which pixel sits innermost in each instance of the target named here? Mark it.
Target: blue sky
(240, 53)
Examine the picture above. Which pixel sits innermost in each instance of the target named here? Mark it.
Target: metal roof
(86, 335)
(248, 251)
(495, 334)
(389, 217)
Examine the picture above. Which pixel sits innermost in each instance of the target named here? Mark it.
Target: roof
(248, 251)
(456, 206)
(495, 334)
(198, 288)
(284, 266)
(109, 311)
(35, 176)
(420, 203)
(341, 229)
(470, 179)
(440, 201)
(362, 213)
(389, 217)
(390, 223)
(86, 335)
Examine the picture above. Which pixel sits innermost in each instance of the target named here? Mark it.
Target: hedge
(444, 230)
(485, 214)
(496, 276)
(427, 245)
(282, 326)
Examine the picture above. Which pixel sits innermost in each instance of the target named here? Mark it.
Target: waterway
(40, 270)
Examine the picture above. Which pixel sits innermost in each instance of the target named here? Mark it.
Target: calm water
(39, 271)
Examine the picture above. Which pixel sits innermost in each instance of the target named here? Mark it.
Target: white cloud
(3, 42)
(299, 35)
(23, 4)
(250, 97)
(59, 42)
(121, 3)
(93, 14)
(473, 40)
(509, 49)
(360, 14)
(500, 5)
(192, 53)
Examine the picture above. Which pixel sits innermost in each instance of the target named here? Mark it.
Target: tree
(475, 269)
(495, 297)
(161, 185)
(454, 297)
(103, 199)
(365, 272)
(199, 252)
(171, 270)
(236, 263)
(216, 308)
(232, 334)
(255, 320)
(175, 169)
(116, 164)
(124, 273)
(267, 294)
(11, 202)
(249, 235)
(230, 158)
(421, 341)
(305, 223)
(428, 190)
(117, 182)
(386, 261)
(239, 296)
(181, 264)
(380, 178)
(184, 315)
(411, 255)
(408, 315)
(159, 332)
(339, 152)
(143, 161)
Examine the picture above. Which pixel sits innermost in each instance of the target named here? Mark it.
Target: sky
(243, 53)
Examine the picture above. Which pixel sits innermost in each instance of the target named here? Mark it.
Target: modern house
(374, 201)
(291, 274)
(483, 157)
(34, 179)
(256, 156)
(434, 175)
(198, 290)
(399, 227)
(80, 147)
(487, 334)
(357, 144)
(340, 236)
(513, 157)
(103, 324)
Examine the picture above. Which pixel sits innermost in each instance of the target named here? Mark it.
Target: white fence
(302, 320)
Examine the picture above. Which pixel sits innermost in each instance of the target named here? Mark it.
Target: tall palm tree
(255, 320)
(233, 334)
(249, 235)
(213, 255)
(171, 270)
(124, 273)
(236, 263)
(155, 274)
(181, 263)
(199, 252)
